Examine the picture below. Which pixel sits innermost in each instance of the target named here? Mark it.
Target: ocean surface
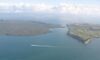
(55, 45)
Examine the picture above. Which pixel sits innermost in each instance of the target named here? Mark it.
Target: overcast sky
(76, 8)
(56, 1)
(87, 7)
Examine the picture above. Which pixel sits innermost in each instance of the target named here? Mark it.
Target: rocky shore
(84, 32)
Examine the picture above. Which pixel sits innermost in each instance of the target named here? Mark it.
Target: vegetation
(23, 28)
(84, 32)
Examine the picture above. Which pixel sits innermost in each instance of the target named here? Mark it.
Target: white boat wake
(42, 46)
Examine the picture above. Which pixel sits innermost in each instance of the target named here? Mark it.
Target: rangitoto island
(84, 32)
(25, 28)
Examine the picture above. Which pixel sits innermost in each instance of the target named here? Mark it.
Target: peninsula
(84, 32)
(25, 28)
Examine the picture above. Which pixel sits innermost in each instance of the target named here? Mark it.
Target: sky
(67, 8)
(77, 7)
(55, 1)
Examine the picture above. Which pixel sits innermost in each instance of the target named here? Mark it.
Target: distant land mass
(84, 32)
(25, 28)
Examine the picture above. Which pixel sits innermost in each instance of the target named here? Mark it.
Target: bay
(56, 45)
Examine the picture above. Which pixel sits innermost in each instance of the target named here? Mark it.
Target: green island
(25, 28)
(84, 32)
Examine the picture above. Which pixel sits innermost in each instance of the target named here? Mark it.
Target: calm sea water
(55, 45)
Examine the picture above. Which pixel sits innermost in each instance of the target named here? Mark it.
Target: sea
(55, 45)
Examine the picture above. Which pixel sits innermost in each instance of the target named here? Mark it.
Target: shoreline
(25, 28)
(83, 32)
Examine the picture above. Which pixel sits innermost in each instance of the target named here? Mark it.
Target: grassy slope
(85, 32)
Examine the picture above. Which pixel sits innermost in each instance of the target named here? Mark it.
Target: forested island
(84, 32)
(25, 28)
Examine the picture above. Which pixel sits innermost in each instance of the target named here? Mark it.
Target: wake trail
(42, 45)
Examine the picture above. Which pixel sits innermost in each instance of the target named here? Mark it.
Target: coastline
(77, 37)
(83, 32)
(25, 28)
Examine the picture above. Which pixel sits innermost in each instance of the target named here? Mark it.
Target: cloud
(63, 8)
(79, 9)
(15, 7)
(42, 8)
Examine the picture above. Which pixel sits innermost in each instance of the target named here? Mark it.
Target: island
(84, 32)
(25, 27)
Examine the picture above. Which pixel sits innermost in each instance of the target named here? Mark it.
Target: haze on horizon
(83, 10)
